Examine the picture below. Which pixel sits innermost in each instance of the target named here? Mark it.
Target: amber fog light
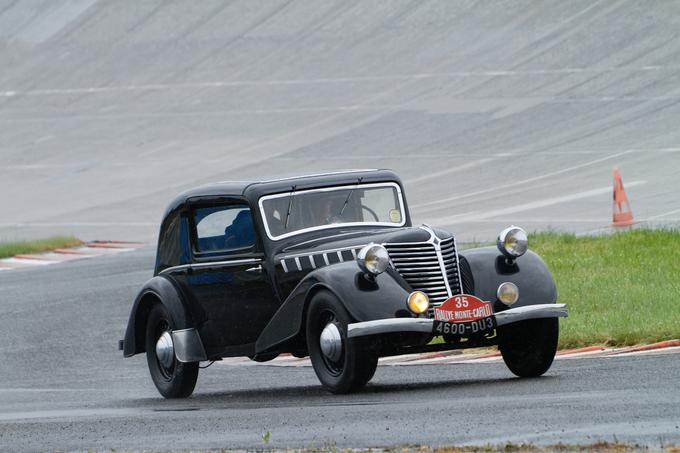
(508, 293)
(418, 302)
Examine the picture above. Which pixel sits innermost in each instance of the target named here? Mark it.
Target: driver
(330, 211)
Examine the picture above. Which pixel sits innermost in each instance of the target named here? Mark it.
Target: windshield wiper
(349, 196)
(290, 206)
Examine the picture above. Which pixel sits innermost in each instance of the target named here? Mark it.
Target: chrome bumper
(360, 329)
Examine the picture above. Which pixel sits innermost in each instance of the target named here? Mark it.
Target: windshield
(293, 212)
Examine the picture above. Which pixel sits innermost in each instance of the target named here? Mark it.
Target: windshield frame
(295, 193)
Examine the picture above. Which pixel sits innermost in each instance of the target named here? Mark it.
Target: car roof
(253, 190)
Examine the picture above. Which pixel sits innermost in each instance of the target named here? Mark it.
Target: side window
(224, 228)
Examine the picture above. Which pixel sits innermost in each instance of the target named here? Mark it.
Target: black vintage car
(329, 266)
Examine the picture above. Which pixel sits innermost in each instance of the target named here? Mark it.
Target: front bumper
(423, 325)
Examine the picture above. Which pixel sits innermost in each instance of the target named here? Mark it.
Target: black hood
(352, 238)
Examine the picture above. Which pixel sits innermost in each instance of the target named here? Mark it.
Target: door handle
(257, 268)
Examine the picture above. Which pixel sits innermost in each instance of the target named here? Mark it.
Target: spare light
(373, 259)
(513, 242)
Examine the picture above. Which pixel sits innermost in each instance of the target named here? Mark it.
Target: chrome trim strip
(424, 277)
(434, 240)
(424, 325)
(418, 272)
(311, 261)
(460, 277)
(360, 329)
(297, 263)
(340, 258)
(284, 266)
(354, 253)
(531, 312)
(224, 263)
(334, 225)
(420, 260)
(169, 270)
(325, 259)
(318, 252)
(210, 264)
(411, 270)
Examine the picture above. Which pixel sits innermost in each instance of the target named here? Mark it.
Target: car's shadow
(316, 395)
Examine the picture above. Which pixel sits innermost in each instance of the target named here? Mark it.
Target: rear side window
(224, 228)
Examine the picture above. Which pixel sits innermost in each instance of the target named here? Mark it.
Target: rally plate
(463, 315)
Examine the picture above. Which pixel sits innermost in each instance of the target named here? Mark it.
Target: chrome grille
(425, 269)
(450, 257)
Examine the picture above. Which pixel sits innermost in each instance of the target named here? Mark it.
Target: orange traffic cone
(623, 216)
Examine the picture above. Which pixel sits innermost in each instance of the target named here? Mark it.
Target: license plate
(463, 315)
(464, 329)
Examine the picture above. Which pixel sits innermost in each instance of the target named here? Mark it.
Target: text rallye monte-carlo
(329, 266)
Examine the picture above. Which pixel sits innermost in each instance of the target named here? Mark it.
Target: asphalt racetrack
(66, 387)
(493, 112)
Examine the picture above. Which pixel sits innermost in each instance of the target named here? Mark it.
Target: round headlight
(513, 242)
(418, 302)
(508, 293)
(373, 259)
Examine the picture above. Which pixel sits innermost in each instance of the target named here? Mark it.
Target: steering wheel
(372, 212)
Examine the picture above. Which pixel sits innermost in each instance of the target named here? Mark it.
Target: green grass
(622, 289)
(8, 249)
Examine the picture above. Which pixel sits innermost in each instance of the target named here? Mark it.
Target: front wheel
(529, 347)
(342, 365)
(172, 378)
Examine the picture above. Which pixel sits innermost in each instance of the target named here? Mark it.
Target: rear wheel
(528, 347)
(342, 365)
(172, 378)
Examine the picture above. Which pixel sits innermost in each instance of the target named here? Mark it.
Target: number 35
(461, 301)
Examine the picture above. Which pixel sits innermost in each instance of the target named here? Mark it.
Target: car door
(227, 277)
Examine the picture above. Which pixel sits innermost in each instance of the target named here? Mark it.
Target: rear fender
(157, 290)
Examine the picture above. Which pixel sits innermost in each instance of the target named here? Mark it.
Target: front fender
(529, 273)
(365, 300)
(159, 289)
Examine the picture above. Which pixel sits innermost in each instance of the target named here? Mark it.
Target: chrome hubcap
(331, 342)
(165, 351)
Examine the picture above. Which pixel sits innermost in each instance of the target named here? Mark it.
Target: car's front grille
(427, 268)
(450, 257)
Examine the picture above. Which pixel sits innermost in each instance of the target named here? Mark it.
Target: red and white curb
(451, 357)
(88, 250)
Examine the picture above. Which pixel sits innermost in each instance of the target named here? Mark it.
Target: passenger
(241, 233)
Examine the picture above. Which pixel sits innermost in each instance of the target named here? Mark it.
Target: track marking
(89, 250)
(398, 77)
(74, 224)
(525, 181)
(25, 262)
(60, 414)
(457, 356)
(452, 169)
(481, 215)
(677, 211)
